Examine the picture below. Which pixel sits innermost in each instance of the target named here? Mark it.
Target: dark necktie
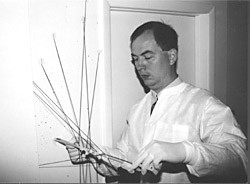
(153, 106)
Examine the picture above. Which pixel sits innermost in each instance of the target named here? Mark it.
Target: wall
(230, 80)
(26, 28)
(237, 58)
(18, 160)
(220, 73)
(248, 81)
(220, 63)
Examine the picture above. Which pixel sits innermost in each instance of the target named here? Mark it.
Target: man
(182, 132)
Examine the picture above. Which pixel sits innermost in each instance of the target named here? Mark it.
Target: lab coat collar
(168, 88)
(177, 86)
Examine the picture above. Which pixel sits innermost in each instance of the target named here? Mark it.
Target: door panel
(126, 89)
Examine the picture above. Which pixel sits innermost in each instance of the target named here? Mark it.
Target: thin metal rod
(109, 157)
(84, 61)
(81, 168)
(87, 85)
(94, 88)
(52, 104)
(82, 69)
(87, 139)
(57, 99)
(103, 154)
(48, 167)
(54, 111)
(55, 162)
(65, 81)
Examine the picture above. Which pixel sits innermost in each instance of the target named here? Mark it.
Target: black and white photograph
(124, 91)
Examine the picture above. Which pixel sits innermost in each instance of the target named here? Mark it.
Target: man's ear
(173, 55)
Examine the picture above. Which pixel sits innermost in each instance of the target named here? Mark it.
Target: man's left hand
(156, 152)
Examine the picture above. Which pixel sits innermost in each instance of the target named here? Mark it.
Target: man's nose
(141, 63)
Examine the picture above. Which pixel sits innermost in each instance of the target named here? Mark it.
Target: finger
(72, 151)
(72, 146)
(75, 153)
(74, 157)
(76, 144)
(127, 166)
(157, 164)
(77, 158)
(73, 139)
(153, 170)
(139, 160)
(147, 163)
(69, 146)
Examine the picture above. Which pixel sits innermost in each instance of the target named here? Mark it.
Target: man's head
(154, 47)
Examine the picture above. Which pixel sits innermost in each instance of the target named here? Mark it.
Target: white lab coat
(187, 114)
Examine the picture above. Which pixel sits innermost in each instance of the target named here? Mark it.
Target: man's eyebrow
(143, 53)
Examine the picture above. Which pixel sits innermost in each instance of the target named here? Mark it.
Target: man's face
(151, 62)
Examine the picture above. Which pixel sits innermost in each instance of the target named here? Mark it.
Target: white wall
(18, 153)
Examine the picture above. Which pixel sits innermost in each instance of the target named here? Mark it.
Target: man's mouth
(144, 76)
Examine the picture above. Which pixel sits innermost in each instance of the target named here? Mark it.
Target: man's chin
(149, 84)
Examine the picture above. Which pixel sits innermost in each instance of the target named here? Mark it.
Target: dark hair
(165, 36)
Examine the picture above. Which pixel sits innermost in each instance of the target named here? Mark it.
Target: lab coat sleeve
(110, 168)
(221, 151)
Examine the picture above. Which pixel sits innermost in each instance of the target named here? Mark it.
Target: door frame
(204, 15)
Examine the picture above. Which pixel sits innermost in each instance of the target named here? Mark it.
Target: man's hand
(80, 155)
(156, 152)
(76, 155)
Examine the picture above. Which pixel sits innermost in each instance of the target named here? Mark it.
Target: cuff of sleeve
(190, 153)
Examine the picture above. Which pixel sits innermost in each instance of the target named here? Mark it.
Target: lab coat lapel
(162, 108)
(148, 126)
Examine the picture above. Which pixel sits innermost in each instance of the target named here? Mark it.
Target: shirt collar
(176, 82)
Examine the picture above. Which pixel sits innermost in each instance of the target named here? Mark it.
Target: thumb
(157, 164)
(127, 166)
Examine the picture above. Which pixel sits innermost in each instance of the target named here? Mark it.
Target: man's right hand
(77, 155)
